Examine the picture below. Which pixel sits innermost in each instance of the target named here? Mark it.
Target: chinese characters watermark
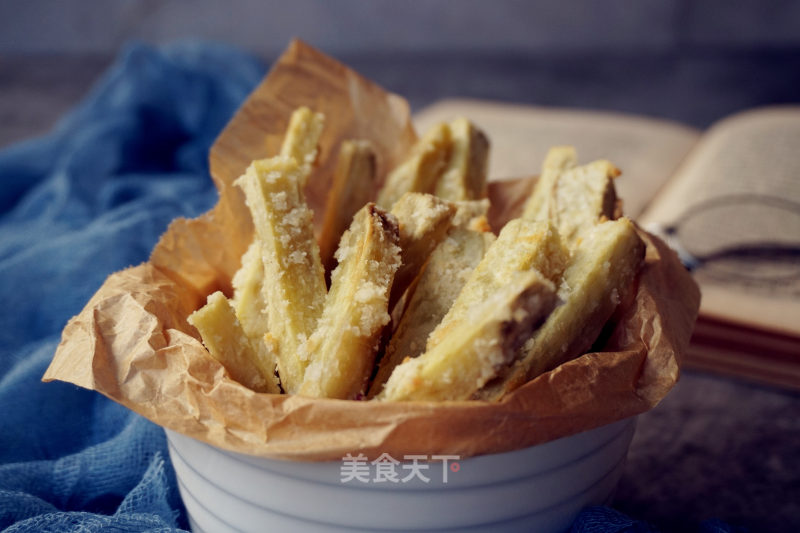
(387, 469)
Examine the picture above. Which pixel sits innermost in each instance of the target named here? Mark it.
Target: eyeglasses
(751, 238)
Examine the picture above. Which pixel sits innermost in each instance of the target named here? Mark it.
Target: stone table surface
(715, 447)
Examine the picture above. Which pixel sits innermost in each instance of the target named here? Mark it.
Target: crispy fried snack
(302, 138)
(422, 169)
(424, 221)
(573, 198)
(300, 143)
(522, 245)
(465, 175)
(250, 363)
(584, 196)
(478, 346)
(600, 275)
(296, 289)
(437, 287)
(472, 214)
(342, 348)
(353, 183)
(557, 160)
(248, 297)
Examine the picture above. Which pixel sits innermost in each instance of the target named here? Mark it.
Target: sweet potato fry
(472, 214)
(302, 138)
(352, 187)
(574, 198)
(437, 287)
(296, 289)
(557, 160)
(421, 170)
(522, 245)
(248, 297)
(465, 175)
(478, 346)
(599, 276)
(342, 348)
(424, 221)
(248, 361)
(584, 196)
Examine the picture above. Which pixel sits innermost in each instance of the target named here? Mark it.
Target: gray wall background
(691, 61)
(357, 26)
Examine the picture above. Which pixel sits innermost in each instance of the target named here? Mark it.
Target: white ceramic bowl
(540, 489)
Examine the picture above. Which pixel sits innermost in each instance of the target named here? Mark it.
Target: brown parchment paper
(132, 342)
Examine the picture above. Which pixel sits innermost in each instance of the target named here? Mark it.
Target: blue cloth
(606, 520)
(88, 199)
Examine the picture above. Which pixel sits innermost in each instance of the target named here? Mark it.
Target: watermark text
(387, 469)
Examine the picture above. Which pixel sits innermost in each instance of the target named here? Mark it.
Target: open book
(727, 199)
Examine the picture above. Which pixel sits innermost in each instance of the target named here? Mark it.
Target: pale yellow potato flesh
(352, 187)
(424, 221)
(600, 274)
(465, 176)
(247, 361)
(342, 348)
(421, 170)
(574, 198)
(442, 278)
(248, 296)
(477, 347)
(302, 139)
(584, 196)
(296, 289)
(472, 214)
(522, 245)
(557, 160)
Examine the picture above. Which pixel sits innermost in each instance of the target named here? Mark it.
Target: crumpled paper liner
(132, 342)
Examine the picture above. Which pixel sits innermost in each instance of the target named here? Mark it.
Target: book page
(648, 151)
(733, 210)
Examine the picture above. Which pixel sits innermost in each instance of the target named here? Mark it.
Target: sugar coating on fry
(522, 245)
(248, 297)
(248, 362)
(599, 276)
(302, 138)
(465, 175)
(424, 221)
(557, 160)
(295, 292)
(421, 170)
(342, 348)
(478, 346)
(440, 282)
(352, 187)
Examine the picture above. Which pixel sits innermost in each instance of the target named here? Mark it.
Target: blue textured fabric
(88, 199)
(606, 520)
